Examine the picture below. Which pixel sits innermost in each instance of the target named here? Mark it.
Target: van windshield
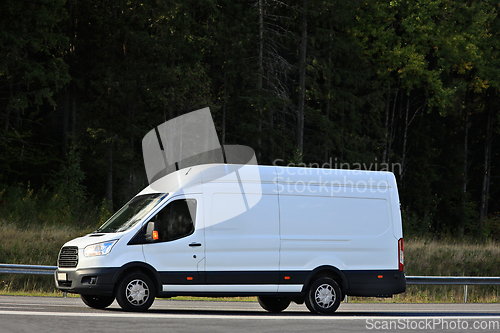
(132, 212)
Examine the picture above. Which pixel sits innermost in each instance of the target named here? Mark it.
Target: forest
(408, 86)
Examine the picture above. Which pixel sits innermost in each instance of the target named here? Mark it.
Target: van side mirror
(146, 235)
(151, 232)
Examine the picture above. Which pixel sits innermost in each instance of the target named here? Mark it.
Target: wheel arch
(327, 271)
(139, 267)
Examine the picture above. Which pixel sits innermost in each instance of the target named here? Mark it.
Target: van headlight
(100, 249)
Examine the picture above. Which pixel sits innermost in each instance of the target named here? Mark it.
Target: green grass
(37, 245)
(452, 258)
(40, 246)
(37, 294)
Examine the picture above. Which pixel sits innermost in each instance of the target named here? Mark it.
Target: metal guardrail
(453, 280)
(27, 269)
(417, 280)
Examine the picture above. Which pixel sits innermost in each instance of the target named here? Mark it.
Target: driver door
(177, 250)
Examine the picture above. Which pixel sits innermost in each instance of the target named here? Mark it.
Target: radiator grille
(68, 257)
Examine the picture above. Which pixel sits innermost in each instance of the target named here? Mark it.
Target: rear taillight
(401, 255)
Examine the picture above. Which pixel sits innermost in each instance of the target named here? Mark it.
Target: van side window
(176, 220)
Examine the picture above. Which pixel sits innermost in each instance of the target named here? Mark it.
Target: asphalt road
(54, 315)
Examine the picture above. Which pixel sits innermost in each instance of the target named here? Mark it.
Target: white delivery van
(297, 234)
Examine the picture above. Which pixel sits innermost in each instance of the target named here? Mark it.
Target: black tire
(323, 296)
(97, 302)
(273, 304)
(135, 292)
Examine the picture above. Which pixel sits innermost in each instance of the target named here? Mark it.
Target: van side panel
(242, 245)
(344, 220)
(344, 232)
(333, 218)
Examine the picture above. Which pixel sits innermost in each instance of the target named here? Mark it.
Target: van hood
(82, 242)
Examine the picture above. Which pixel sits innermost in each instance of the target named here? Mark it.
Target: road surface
(68, 315)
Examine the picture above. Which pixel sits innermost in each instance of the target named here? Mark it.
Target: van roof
(194, 176)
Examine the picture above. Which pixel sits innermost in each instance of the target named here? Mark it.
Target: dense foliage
(409, 86)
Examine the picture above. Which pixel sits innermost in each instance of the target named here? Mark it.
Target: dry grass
(452, 258)
(34, 245)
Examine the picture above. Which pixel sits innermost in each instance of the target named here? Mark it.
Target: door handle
(194, 244)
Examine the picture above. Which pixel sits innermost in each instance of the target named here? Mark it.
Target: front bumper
(89, 281)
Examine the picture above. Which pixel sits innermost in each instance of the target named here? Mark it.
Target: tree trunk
(7, 116)
(66, 121)
(405, 139)
(461, 229)
(109, 176)
(342, 133)
(171, 95)
(271, 136)
(391, 125)
(70, 107)
(224, 103)
(327, 111)
(302, 84)
(73, 111)
(261, 74)
(486, 177)
(386, 132)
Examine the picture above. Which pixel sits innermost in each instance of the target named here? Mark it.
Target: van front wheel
(97, 302)
(135, 292)
(323, 296)
(273, 304)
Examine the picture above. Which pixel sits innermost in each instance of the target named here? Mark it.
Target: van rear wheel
(135, 292)
(97, 302)
(323, 296)
(273, 304)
